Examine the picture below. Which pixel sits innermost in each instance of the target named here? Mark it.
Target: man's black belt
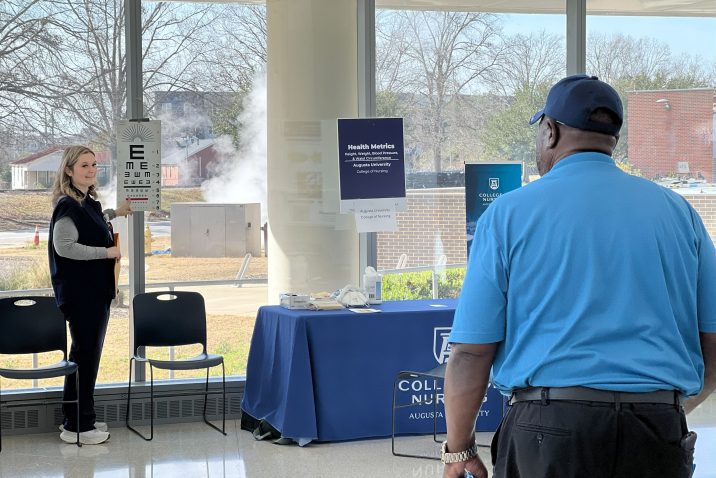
(545, 394)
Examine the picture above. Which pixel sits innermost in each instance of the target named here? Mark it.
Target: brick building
(434, 225)
(670, 132)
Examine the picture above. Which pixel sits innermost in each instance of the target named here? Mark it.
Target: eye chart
(139, 169)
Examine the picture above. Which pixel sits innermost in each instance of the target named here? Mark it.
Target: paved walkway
(230, 300)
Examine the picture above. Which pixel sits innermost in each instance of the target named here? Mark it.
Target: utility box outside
(216, 230)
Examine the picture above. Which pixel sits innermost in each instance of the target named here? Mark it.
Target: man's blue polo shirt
(590, 277)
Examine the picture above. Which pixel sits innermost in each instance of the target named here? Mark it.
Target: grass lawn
(229, 336)
(23, 209)
(25, 267)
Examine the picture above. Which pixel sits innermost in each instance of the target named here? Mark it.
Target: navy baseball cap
(573, 99)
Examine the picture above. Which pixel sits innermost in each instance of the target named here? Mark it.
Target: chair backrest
(31, 325)
(163, 319)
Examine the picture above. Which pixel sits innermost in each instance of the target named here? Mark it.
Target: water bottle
(372, 282)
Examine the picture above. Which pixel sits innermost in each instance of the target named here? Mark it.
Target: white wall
(18, 177)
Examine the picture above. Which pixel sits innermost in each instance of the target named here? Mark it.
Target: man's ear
(551, 132)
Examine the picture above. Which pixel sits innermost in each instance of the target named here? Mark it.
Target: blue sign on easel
(485, 182)
(371, 159)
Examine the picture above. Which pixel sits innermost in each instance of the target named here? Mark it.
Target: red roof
(39, 154)
(103, 157)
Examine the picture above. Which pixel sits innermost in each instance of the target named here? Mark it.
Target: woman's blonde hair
(63, 183)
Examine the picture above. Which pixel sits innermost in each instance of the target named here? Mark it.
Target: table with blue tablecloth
(328, 375)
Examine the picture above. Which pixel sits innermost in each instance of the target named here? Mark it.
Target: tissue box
(294, 301)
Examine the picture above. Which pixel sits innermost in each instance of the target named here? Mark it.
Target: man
(591, 295)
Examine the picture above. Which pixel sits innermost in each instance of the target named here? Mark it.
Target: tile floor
(194, 450)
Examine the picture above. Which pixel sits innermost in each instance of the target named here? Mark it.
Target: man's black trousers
(88, 326)
(575, 439)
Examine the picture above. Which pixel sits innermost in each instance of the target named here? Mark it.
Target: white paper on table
(364, 310)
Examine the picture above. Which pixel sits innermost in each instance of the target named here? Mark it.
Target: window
(664, 70)
(183, 64)
(472, 107)
(208, 96)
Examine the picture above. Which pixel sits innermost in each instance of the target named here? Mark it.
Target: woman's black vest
(82, 281)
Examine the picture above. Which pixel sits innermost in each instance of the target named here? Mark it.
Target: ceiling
(699, 8)
(667, 8)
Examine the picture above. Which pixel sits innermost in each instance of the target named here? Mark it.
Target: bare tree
(27, 46)
(520, 83)
(93, 62)
(394, 97)
(691, 71)
(614, 57)
(235, 48)
(435, 57)
(533, 60)
(391, 43)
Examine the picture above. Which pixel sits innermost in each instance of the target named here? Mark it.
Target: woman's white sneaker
(91, 437)
(101, 426)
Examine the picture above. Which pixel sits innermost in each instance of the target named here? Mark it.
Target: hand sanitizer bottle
(372, 282)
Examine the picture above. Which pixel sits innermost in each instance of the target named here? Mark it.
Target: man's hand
(457, 470)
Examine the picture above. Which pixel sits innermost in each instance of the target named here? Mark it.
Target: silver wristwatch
(464, 455)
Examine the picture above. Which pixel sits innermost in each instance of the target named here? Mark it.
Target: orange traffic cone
(36, 240)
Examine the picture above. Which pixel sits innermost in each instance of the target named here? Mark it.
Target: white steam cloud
(108, 193)
(240, 174)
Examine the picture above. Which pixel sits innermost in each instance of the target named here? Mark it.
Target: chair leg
(392, 433)
(223, 399)
(392, 436)
(0, 421)
(222, 430)
(435, 411)
(206, 392)
(151, 402)
(129, 395)
(77, 387)
(76, 402)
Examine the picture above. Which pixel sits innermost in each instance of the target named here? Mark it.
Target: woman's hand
(125, 209)
(113, 253)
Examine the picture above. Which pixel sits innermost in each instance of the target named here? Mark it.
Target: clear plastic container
(372, 283)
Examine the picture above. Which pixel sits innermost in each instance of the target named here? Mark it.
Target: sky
(682, 34)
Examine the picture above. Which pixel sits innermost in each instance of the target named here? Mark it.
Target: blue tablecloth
(328, 375)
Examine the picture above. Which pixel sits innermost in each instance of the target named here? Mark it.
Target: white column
(312, 81)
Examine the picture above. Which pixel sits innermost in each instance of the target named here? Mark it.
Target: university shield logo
(494, 183)
(441, 347)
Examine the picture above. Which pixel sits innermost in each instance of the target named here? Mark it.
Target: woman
(82, 257)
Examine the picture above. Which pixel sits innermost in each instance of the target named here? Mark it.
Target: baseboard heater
(30, 413)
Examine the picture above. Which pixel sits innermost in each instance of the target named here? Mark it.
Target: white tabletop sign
(139, 168)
